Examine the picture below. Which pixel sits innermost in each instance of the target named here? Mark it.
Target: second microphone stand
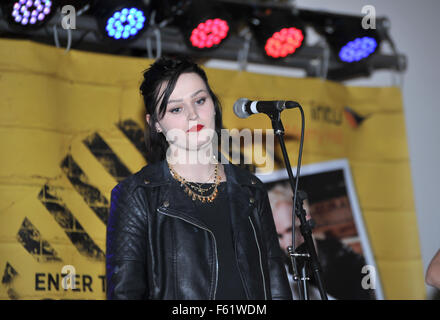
(298, 209)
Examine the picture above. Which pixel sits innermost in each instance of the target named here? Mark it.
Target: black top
(216, 216)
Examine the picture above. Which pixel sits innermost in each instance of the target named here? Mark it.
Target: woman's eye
(175, 110)
(201, 101)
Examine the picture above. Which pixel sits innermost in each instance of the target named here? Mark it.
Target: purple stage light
(29, 12)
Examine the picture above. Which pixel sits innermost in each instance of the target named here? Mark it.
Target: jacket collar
(156, 174)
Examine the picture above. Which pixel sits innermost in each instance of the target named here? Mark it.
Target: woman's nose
(192, 113)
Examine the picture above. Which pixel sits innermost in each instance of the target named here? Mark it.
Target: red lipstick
(196, 128)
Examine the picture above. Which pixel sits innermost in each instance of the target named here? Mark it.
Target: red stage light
(284, 42)
(209, 33)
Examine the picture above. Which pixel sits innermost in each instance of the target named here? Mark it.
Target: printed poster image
(339, 234)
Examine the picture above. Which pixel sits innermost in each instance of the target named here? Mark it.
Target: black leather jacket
(157, 250)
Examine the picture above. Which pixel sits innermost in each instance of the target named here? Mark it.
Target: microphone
(243, 107)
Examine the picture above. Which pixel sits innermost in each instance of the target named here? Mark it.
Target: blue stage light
(358, 49)
(125, 23)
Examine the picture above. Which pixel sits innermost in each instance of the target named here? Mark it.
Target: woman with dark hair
(190, 224)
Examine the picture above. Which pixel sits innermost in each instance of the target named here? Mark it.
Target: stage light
(349, 42)
(358, 49)
(280, 34)
(284, 42)
(29, 13)
(209, 33)
(204, 24)
(122, 21)
(125, 23)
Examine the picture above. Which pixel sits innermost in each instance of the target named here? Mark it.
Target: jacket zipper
(259, 253)
(215, 244)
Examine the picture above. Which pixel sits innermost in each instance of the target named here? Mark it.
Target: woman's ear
(148, 119)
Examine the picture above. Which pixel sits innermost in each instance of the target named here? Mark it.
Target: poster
(339, 233)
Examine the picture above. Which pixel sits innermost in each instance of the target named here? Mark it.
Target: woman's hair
(168, 69)
(281, 192)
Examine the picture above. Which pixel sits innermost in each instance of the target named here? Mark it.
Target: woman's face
(282, 214)
(189, 119)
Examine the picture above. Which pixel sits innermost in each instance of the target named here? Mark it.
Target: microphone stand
(298, 209)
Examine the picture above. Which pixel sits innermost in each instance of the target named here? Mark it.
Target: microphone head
(239, 108)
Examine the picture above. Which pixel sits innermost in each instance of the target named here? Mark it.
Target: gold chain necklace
(197, 186)
(189, 189)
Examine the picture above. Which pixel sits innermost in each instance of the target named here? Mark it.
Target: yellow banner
(71, 128)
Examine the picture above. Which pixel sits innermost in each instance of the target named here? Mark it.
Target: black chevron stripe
(105, 155)
(73, 229)
(135, 134)
(9, 274)
(29, 236)
(91, 195)
(8, 278)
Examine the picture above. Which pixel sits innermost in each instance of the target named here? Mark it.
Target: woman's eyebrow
(192, 96)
